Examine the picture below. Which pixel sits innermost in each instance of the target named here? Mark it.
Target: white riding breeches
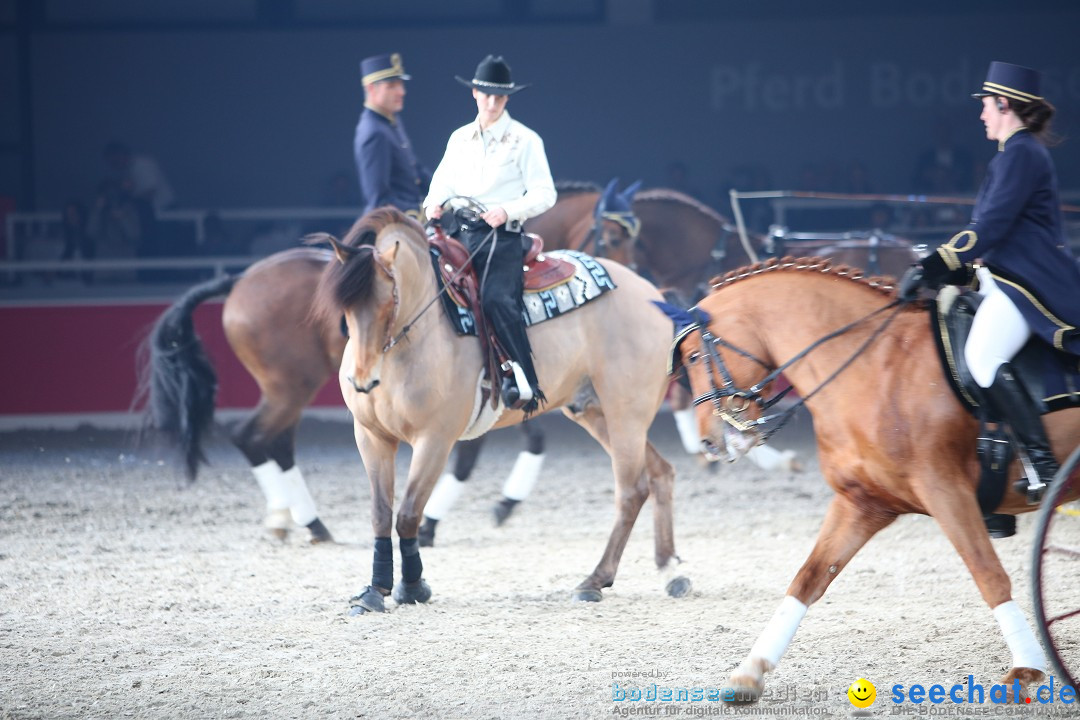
(997, 333)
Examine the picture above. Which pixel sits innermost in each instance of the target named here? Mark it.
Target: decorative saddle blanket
(555, 283)
(1049, 375)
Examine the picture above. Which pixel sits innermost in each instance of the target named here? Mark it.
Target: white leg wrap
(523, 476)
(777, 635)
(443, 497)
(768, 458)
(1026, 651)
(686, 424)
(268, 475)
(301, 504)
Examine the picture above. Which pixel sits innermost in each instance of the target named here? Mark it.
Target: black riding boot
(1014, 405)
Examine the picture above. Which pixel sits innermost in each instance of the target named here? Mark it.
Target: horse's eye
(694, 357)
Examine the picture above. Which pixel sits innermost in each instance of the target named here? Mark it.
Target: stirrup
(516, 393)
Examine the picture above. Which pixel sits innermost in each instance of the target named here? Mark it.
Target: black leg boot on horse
(1014, 405)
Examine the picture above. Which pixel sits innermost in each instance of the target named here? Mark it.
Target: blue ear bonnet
(686, 322)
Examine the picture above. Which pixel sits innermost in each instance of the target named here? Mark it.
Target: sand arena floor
(125, 592)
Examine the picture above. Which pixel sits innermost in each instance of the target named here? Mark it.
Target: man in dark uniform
(388, 169)
(1027, 275)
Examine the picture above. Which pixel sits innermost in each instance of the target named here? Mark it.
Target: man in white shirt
(141, 175)
(499, 163)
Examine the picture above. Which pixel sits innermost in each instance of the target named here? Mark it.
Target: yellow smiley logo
(862, 693)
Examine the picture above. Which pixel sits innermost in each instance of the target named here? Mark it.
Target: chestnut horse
(892, 438)
(267, 324)
(424, 388)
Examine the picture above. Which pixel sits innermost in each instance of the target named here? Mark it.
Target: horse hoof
(319, 533)
(371, 600)
(588, 595)
(503, 510)
(678, 587)
(279, 534)
(412, 593)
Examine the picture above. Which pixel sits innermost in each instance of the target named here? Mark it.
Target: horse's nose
(363, 388)
(711, 451)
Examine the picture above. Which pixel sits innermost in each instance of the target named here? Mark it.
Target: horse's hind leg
(846, 528)
(522, 478)
(628, 449)
(955, 509)
(662, 489)
(268, 440)
(449, 488)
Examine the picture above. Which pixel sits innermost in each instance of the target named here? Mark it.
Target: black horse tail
(177, 380)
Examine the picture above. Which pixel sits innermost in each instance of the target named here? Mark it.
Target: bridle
(626, 220)
(392, 339)
(730, 402)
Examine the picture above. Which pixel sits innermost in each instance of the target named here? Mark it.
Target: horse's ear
(605, 197)
(390, 253)
(630, 191)
(341, 251)
(683, 318)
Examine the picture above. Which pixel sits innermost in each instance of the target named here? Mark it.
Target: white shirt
(149, 183)
(503, 166)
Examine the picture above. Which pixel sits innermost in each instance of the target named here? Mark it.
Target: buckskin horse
(408, 377)
(892, 437)
(290, 356)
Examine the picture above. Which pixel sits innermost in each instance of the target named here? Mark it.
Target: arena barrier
(65, 364)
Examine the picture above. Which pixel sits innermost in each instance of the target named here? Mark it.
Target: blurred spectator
(945, 168)
(141, 174)
(115, 225)
(76, 238)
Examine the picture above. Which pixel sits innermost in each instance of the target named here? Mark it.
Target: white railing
(23, 228)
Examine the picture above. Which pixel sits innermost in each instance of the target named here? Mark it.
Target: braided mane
(576, 187)
(884, 284)
(674, 196)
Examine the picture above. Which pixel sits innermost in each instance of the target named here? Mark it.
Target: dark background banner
(257, 116)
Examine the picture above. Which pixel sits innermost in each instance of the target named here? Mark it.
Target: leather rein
(730, 401)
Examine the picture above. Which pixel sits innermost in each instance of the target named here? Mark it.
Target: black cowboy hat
(1015, 82)
(492, 77)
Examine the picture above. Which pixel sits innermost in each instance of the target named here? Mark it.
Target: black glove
(913, 281)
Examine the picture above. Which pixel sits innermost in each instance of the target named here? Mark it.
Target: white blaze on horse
(604, 364)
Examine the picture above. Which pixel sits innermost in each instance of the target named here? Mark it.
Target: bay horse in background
(892, 437)
(424, 389)
(290, 356)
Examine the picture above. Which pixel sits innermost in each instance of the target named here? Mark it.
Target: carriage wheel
(1055, 577)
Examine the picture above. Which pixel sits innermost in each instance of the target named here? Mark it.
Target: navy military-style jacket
(388, 169)
(1017, 231)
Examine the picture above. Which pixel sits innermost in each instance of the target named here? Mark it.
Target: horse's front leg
(378, 454)
(846, 529)
(429, 458)
(956, 510)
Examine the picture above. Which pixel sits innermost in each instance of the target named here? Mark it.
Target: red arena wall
(75, 359)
